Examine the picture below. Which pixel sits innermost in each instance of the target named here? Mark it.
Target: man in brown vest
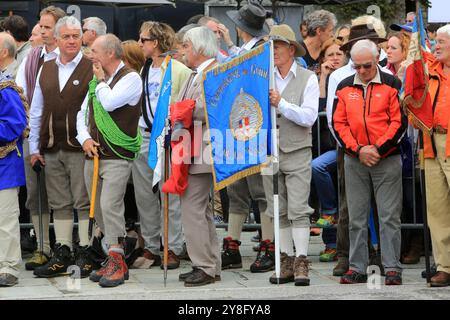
(57, 98)
(27, 78)
(107, 126)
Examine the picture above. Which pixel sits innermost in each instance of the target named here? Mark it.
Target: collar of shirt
(249, 45)
(204, 65)
(45, 53)
(120, 66)
(281, 82)
(8, 72)
(376, 79)
(75, 61)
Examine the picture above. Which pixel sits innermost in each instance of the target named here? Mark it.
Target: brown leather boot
(301, 270)
(441, 279)
(342, 267)
(286, 270)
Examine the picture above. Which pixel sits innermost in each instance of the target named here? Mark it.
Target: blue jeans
(326, 191)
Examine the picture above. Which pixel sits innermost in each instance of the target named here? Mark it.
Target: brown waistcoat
(126, 118)
(59, 115)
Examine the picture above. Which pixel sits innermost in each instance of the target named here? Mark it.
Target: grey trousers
(109, 204)
(150, 205)
(242, 190)
(198, 225)
(386, 180)
(294, 183)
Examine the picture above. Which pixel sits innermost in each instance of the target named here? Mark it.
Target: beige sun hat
(285, 33)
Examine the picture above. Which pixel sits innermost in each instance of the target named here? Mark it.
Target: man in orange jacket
(369, 125)
(437, 159)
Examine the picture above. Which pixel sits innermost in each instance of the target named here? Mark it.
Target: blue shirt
(12, 123)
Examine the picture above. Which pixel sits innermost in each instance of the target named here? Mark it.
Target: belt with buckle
(440, 130)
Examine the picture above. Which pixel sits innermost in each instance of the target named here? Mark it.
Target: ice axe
(93, 196)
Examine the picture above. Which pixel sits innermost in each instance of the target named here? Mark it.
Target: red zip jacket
(373, 119)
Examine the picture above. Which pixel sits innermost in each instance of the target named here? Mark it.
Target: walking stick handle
(93, 196)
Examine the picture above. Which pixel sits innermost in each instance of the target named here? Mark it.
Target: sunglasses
(145, 39)
(362, 66)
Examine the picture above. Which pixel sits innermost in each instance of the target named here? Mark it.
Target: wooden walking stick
(93, 196)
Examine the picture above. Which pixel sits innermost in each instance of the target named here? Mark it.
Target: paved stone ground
(236, 284)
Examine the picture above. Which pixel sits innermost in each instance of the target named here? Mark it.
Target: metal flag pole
(276, 215)
(166, 196)
(426, 232)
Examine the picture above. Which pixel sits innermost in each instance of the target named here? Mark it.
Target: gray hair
(8, 44)
(109, 42)
(444, 30)
(203, 41)
(180, 34)
(364, 46)
(319, 19)
(67, 21)
(95, 24)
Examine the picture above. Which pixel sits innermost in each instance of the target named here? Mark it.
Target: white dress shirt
(202, 67)
(234, 51)
(37, 106)
(20, 78)
(127, 90)
(306, 114)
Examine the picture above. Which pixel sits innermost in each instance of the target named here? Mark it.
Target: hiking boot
(37, 260)
(197, 278)
(352, 277)
(84, 261)
(115, 271)
(328, 255)
(341, 267)
(265, 260)
(173, 261)
(286, 270)
(393, 278)
(301, 270)
(231, 257)
(8, 280)
(413, 255)
(433, 271)
(326, 221)
(184, 276)
(57, 265)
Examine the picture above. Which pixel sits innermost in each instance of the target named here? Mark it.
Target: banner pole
(276, 215)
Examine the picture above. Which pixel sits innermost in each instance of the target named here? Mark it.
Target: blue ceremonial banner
(237, 113)
(157, 136)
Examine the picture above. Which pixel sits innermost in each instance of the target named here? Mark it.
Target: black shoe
(197, 278)
(58, 264)
(8, 280)
(433, 271)
(265, 260)
(84, 261)
(231, 257)
(184, 276)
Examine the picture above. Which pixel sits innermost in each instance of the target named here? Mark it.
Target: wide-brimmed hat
(284, 33)
(250, 18)
(361, 32)
(398, 27)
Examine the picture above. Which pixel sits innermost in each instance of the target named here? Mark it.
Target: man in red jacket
(369, 125)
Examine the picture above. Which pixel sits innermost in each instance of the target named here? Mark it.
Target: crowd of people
(73, 94)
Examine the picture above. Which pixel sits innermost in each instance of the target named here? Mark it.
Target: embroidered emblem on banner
(245, 117)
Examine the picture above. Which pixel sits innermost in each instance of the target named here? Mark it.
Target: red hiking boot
(115, 271)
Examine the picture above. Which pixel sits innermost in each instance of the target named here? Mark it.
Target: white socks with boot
(286, 244)
(301, 241)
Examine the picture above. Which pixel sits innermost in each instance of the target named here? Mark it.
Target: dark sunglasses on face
(145, 39)
(363, 66)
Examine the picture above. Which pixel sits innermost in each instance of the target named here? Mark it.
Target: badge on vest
(76, 82)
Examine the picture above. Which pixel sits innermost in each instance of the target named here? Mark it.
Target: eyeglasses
(145, 39)
(363, 66)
